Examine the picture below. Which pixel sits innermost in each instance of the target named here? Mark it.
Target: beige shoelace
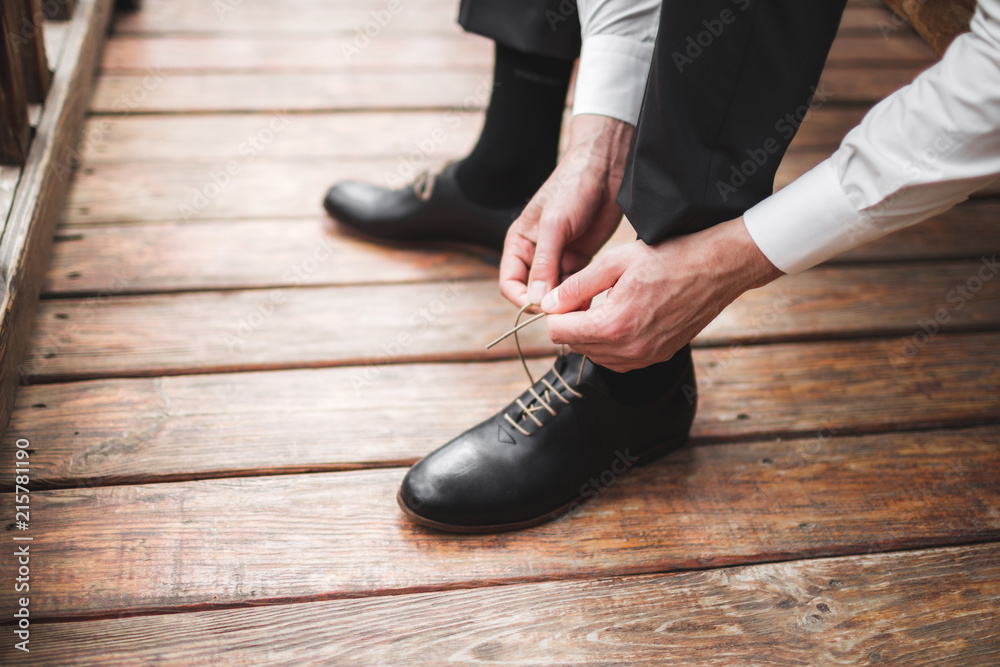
(544, 399)
(423, 184)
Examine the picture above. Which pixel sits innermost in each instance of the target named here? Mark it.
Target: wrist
(602, 140)
(737, 257)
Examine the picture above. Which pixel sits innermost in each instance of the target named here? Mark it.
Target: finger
(582, 327)
(517, 256)
(578, 289)
(544, 273)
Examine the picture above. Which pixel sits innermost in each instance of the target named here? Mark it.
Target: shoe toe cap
(353, 201)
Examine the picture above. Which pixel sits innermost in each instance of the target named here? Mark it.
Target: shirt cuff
(611, 77)
(807, 222)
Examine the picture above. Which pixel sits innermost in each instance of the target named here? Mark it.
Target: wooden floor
(224, 391)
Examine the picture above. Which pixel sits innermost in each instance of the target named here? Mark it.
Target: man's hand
(572, 215)
(660, 296)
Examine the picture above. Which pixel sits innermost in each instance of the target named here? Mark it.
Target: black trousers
(545, 27)
(728, 84)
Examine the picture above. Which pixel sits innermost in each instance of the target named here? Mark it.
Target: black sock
(643, 385)
(519, 144)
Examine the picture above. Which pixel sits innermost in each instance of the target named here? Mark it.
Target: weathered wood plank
(258, 187)
(400, 52)
(61, 10)
(298, 17)
(14, 129)
(430, 136)
(242, 254)
(140, 430)
(838, 611)
(937, 21)
(354, 90)
(309, 537)
(315, 17)
(419, 138)
(170, 191)
(30, 33)
(239, 254)
(267, 329)
(24, 246)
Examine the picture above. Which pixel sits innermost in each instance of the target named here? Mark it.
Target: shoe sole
(647, 458)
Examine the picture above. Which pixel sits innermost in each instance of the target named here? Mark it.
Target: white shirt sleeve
(917, 153)
(618, 38)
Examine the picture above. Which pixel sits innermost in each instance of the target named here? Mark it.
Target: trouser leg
(727, 82)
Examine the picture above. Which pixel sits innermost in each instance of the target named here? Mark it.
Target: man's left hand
(660, 296)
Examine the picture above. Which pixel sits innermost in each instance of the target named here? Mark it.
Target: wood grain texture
(937, 21)
(837, 611)
(354, 90)
(196, 545)
(430, 136)
(260, 187)
(296, 17)
(62, 10)
(400, 52)
(244, 254)
(37, 76)
(107, 335)
(232, 254)
(420, 138)
(315, 17)
(141, 430)
(14, 129)
(24, 246)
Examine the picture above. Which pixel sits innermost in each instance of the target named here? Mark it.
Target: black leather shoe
(561, 442)
(432, 209)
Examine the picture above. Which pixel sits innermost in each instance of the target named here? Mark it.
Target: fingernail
(536, 291)
(551, 301)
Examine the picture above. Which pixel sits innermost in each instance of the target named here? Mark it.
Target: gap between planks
(843, 610)
(697, 508)
(280, 422)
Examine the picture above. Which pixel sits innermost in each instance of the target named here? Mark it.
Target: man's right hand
(572, 215)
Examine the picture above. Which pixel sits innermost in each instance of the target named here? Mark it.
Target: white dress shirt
(917, 153)
(618, 39)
